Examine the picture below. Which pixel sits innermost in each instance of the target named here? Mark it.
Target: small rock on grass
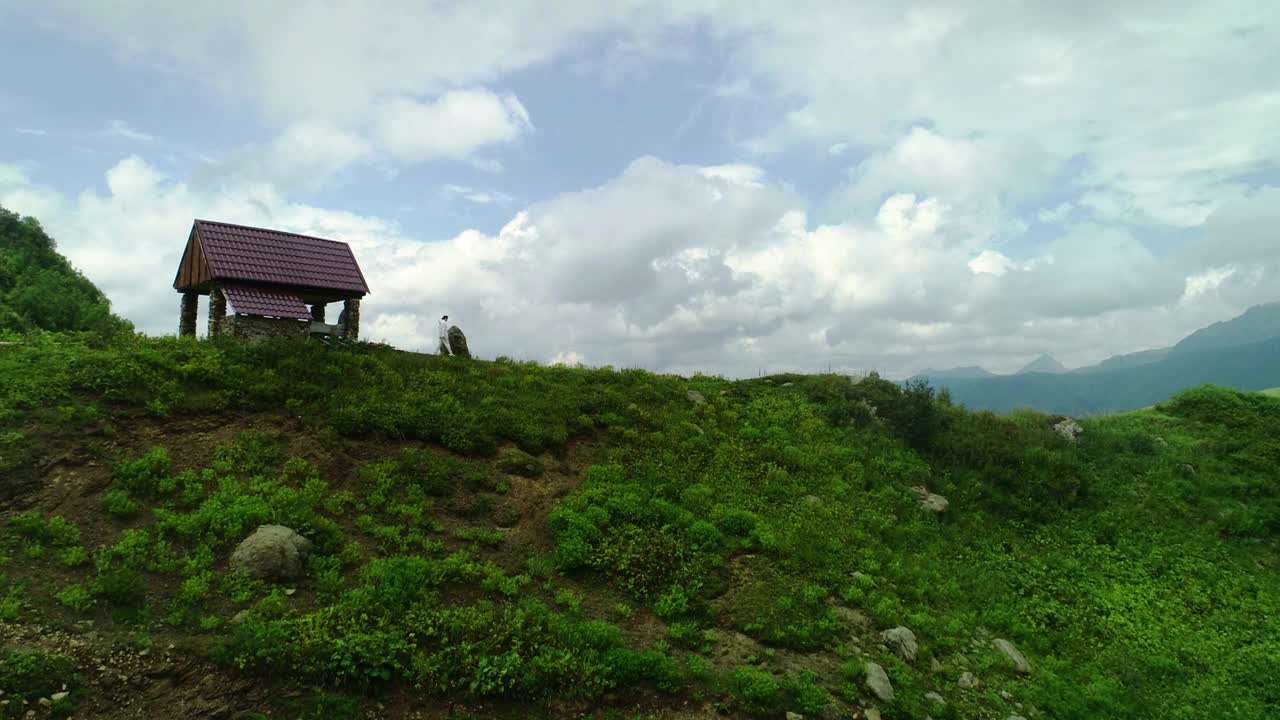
(878, 682)
(272, 552)
(902, 641)
(1069, 429)
(1020, 664)
(932, 502)
(967, 680)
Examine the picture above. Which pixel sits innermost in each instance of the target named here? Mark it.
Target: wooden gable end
(193, 271)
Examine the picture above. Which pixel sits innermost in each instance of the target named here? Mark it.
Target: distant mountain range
(1242, 353)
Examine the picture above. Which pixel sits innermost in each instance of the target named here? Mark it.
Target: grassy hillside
(1246, 367)
(508, 540)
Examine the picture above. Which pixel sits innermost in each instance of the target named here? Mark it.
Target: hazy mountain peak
(1046, 363)
(966, 372)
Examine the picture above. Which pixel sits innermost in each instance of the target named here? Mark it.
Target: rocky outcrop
(967, 681)
(458, 342)
(878, 682)
(902, 641)
(272, 552)
(1020, 664)
(1069, 429)
(696, 397)
(932, 502)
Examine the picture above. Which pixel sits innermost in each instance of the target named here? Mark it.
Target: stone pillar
(187, 319)
(217, 311)
(317, 312)
(351, 330)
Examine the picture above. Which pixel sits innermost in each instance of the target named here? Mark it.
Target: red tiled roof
(237, 252)
(260, 301)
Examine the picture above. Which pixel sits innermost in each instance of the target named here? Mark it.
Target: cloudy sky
(690, 185)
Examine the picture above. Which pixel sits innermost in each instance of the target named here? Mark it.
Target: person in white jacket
(444, 336)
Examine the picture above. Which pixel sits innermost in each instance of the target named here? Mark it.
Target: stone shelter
(260, 282)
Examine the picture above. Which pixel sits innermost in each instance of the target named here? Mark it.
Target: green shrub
(117, 502)
(74, 556)
(737, 522)
(686, 635)
(672, 603)
(757, 690)
(34, 528)
(146, 476)
(484, 536)
(804, 692)
(76, 597)
(12, 599)
(122, 587)
(327, 573)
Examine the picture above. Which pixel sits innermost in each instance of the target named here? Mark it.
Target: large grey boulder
(1069, 429)
(1020, 663)
(902, 641)
(878, 682)
(967, 680)
(272, 552)
(932, 502)
(458, 342)
(696, 397)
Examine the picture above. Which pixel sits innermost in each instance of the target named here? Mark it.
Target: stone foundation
(187, 318)
(217, 312)
(255, 327)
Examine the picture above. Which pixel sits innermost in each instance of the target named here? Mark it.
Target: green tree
(39, 289)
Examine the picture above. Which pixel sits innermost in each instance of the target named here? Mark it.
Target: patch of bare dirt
(120, 682)
(535, 497)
